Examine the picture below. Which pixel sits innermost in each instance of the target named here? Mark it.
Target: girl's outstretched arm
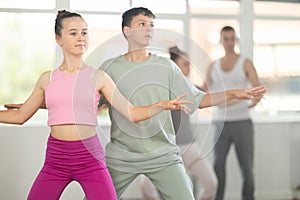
(31, 105)
(136, 113)
(18, 105)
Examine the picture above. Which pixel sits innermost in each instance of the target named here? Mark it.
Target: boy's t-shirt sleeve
(179, 85)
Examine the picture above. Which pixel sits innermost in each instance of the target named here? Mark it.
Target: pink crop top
(72, 98)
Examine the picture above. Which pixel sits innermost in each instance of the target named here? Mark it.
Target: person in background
(232, 122)
(195, 164)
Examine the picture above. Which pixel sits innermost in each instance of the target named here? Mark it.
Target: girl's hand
(176, 104)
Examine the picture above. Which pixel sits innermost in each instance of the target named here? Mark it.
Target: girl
(71, 93)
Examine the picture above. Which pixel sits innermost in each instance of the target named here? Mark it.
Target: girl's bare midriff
(72, 132)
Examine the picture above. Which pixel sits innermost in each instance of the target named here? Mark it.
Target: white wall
(277, 162)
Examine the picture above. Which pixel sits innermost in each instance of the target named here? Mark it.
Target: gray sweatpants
(241, 134)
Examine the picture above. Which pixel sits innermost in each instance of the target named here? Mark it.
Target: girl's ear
(58, 40)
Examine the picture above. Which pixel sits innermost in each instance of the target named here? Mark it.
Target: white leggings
(196, 166)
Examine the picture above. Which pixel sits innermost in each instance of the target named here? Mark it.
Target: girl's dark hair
(129, 14)
(176, 53)
(61, 15)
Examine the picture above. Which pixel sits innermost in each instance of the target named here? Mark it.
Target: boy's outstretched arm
(228, 95)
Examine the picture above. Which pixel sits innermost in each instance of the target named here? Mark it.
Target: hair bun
(61, 13)
(175, 50)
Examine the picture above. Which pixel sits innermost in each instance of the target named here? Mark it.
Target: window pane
(107, 40)
(165, 6)
(276, 57)
(100, 5)
(276, 8)
(166, 33)
(101, 29)
(214, 7)
(29, 4)
(277, 45)
(174, 25)
(27, 49)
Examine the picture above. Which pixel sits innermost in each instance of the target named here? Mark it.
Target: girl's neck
(72, 65)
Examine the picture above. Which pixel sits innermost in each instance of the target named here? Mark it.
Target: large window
(218, 7)
(28, 4)
(99, 5)
(277, 47)
(27, 49)
(28, 45)
(165, 6)
(283, 8)
(276, 53)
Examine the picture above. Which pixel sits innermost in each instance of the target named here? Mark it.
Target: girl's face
(183, 64)
(74, 38)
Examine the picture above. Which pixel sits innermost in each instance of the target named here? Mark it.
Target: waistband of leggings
(95, 137)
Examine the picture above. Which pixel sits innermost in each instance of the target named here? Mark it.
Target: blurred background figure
(196, 165)
(232, 121)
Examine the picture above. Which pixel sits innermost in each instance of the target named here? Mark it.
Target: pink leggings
(67, 161)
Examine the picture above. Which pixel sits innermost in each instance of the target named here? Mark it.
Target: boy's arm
(228, 95)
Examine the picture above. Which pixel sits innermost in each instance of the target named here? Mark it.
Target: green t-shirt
(148, 145)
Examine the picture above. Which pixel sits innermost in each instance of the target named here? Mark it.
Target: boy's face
(140, 31)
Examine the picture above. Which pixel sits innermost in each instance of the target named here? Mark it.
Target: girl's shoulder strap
(51, 74)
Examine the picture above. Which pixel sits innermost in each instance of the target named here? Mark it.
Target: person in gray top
(149, 147)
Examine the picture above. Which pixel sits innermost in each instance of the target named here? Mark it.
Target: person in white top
(232, 121)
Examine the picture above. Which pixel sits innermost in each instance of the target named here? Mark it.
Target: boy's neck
(139, 55)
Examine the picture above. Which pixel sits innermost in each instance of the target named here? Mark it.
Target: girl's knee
(210, 189)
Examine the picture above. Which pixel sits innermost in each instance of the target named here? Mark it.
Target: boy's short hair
(129, 14)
